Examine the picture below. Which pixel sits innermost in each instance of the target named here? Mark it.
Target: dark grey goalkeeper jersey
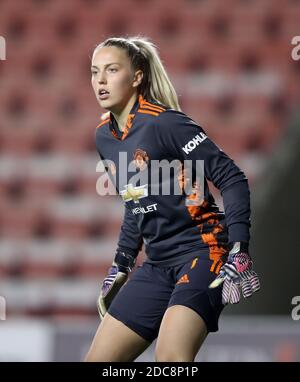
(178, 226)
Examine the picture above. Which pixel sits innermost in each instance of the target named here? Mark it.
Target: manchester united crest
(141, 159)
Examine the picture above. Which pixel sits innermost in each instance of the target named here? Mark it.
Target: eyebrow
(111, 63)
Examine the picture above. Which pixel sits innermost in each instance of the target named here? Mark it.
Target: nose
(101, 77)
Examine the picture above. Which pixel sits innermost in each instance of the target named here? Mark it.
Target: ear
(137, 79)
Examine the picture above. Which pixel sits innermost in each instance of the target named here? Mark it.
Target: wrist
(124, 261)
(238, 247)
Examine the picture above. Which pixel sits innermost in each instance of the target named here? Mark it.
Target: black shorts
(143, 300)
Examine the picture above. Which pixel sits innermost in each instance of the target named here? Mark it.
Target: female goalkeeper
(197, 255)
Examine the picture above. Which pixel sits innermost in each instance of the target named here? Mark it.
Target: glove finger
(217, 281)
(106, 287)
(230, 292)
(246, 288)
(235, 295)
(225, 292)
(246, 275)
(231, 271)
(109, 280)
(255, 284)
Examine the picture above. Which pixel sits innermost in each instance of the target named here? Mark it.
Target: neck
(122, 116)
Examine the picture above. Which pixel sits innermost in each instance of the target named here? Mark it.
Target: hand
(116, 278)
(237, 274)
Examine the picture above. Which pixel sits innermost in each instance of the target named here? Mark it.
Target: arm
(185, 140)
(130, 238)
(175, 130)
(129, 245)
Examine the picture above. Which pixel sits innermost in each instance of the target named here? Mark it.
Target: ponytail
(143, 54)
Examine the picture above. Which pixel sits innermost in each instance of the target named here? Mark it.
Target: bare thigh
(115, 342)
(181, 335)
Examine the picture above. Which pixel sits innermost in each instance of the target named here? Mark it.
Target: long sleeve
(130, 238)
(183, 139)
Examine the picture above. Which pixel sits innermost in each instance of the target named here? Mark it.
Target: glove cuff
(124, 261)
(238, 247)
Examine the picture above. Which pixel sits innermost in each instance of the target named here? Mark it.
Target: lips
(103, 94)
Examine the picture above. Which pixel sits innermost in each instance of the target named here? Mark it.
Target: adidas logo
(183, 279)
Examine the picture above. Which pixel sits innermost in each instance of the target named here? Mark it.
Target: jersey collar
(121, 135)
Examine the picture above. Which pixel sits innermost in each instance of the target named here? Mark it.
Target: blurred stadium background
(231, 64)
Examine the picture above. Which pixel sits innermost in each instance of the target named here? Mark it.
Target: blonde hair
(143, 54)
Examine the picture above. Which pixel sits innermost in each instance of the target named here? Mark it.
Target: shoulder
(172, 118)
(174, 126)
(150, 109)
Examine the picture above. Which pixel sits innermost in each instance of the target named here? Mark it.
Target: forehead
(109, 54)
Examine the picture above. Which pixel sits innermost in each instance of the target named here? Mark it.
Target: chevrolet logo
(134, 193)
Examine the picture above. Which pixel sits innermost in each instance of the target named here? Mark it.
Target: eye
(112, 70)
(94, 72)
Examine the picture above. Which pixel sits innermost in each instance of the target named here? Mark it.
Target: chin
(105, 104)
